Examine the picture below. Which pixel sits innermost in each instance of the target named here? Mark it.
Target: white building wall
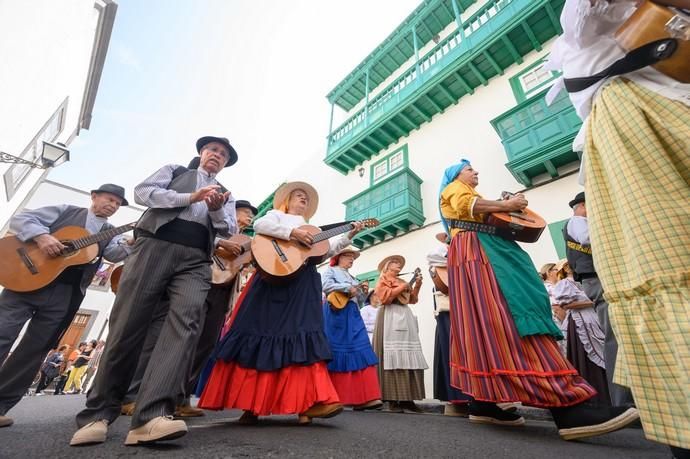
(46, 48)
(463, 131)
(97, 302)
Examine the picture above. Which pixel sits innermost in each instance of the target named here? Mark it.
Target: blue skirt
(348, 339)
(278, 325)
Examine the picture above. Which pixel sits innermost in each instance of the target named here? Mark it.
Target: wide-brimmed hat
(283, 193)
(561, 264)
(546, 268)
(232, 157)
(396, 258)
(442, 237)
(349, 249)
(113, 189)
(243, 204)
(580, 197)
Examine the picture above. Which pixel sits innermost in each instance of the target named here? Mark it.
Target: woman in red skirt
(503, 340)
(273, 359)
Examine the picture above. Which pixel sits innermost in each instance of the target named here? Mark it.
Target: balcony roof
(430, 17)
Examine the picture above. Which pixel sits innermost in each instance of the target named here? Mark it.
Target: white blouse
(587, 46)
(279, 225)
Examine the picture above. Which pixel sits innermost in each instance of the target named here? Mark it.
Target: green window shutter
(537, 81)
(556, 231)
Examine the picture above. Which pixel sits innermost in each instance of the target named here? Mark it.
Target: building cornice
(106, 18)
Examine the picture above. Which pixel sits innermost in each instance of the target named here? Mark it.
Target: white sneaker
(92, 433)
(161, 428)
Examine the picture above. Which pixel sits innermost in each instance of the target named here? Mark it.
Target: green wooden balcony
(396, 201)
(429, 19)
(538, 138)
(497, 36)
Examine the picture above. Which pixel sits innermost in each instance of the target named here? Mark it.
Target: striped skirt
(489, 359)
(637, 168)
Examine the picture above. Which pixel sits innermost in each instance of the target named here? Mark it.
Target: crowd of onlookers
(70, 372)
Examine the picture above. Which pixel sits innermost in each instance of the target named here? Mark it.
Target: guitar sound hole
(69, 248)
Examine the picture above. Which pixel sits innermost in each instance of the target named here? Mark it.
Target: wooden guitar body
(115, 278)
(525, 226)
(280, 259)
(24, 267)
(225, 266)
(338, 300)
(651, 22)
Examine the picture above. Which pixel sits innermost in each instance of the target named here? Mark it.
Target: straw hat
(283, 193)
(544, 271)
(396, 258)
(561, 264)
(349, 249)
(442, 237)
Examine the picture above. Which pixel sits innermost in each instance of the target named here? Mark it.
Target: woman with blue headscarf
(503, 341)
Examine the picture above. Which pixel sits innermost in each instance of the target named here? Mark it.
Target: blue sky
(256, 72)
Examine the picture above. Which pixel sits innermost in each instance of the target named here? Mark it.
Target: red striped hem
(497, 372)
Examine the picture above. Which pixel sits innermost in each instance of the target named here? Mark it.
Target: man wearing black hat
(50, 309)
(188, 208)
(579, 253)
(218, 301)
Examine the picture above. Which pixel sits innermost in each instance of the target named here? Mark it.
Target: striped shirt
(153, 192)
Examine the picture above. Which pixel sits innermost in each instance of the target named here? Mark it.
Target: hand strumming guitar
(234, 248)
(49, 245)
(516, 202)
(302, 236)
(353, 292)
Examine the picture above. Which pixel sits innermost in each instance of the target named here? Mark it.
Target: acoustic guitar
(651, 22)
(525, 225)
(225, 265)
(439, 275)
(406, 296)
(24, 267)
(338, 300)
(280, 259)
(115, 279)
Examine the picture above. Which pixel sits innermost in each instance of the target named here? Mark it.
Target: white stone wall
(46, 49)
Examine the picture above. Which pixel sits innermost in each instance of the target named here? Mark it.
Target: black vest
(76, 216)
(184, 181)
(580, 261)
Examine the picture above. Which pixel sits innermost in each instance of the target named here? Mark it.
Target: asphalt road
(44, 425)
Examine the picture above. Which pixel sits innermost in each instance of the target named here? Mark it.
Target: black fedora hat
(232, 158)
(243, 204)
(111, 188)
(580, 197)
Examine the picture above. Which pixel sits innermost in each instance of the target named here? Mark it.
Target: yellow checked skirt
(637, 168)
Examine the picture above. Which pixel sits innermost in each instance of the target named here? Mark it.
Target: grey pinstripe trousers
(154, 267)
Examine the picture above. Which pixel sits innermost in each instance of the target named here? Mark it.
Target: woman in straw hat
(503, 340)
(273, 358)
(353, 368)
(396, 338)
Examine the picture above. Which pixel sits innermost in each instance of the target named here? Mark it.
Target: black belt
(183, 232)
(481, 228)
(586, 276)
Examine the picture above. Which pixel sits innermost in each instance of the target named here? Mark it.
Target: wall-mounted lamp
(361, 171)
(52, 154)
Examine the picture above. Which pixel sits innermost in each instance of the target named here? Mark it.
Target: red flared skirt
(290, 390)
(357, 387)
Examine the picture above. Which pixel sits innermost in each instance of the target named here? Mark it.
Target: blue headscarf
(448, 176)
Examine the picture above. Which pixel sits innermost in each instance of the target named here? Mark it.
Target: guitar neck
(101, 236)
(333, 232)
